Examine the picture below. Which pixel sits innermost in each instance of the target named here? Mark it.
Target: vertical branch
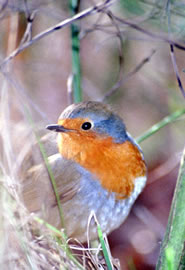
(75, 47)
(173, 249)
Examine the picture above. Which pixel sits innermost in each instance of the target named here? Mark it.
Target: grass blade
(172, 250)
(104, 248)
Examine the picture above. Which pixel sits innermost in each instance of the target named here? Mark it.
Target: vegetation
(126, 53)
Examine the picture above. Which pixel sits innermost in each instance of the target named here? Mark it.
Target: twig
(165, 121)
(89, 11)
(150, 34)
(158, 6)
(114, 89)
(173, 58)
(94, 27)
(120, 47)
(28, 32)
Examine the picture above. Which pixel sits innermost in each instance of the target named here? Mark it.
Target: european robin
(97, 165)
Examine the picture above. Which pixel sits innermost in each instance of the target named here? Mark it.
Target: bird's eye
(86, 125)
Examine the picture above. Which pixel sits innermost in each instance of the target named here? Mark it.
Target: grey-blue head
(102, 119)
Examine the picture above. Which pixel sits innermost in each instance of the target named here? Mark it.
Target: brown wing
(37, 191)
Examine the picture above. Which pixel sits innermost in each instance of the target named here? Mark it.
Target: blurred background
(37, 78)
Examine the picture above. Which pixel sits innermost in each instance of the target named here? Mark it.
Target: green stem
(75, 47)
(165, 121)
(172, 255)
(104, 248)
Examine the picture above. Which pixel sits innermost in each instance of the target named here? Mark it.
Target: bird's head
(91, 120)
(94, 137)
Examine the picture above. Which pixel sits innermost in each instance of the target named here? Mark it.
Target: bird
(98, 167)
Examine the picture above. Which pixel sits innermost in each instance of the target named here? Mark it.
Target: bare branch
(120, 39)
(173, 58)
(114, 89)
(150, 34)
(89, 11)
(28, 32)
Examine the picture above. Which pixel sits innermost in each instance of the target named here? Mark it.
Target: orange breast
(115, 165)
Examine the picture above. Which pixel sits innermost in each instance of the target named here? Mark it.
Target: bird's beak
(57, 128)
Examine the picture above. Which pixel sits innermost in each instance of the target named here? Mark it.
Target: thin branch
(159, 7)
(120, 47)
(165, 121)
(89, 11)
(30, 18)
(95, 26)
(173, 58)
(114, 89)
(150, 34)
